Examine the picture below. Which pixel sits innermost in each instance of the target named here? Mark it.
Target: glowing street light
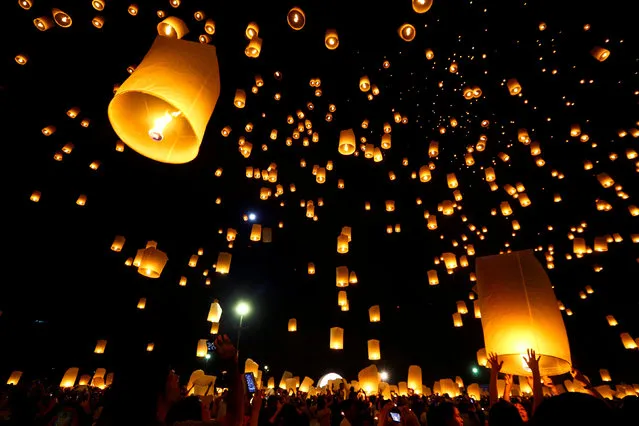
(242, 308)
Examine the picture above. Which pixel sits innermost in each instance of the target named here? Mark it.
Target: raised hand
(532, 361)
(224, 348)
(508, 378)
(495, 365)
(578, 375)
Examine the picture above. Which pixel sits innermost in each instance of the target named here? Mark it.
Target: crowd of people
(153, 396)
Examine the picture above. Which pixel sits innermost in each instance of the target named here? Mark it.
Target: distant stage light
(252, 216)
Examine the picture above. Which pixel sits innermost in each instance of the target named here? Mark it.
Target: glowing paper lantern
(415, 379)
(14, 378)
(69, 378)
(368, 379)
(215, 312)
(292, 325)
(627, 341)
(152, 261)
(61, 18)
(515, 286)
(599, 53)
(223, 265)
(374, 314)
(331, 41)
(605, 375)
(406, 32)
(296, 18)
(337, 338)
(202, 348)
(159, 112)
(373, 350)
(422, 6)
(100, 347)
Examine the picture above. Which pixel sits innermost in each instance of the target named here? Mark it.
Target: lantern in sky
(599, 53)
(202, 348)
(172, 27)
(100, 347)
(513, 87)
(296, 18)
(369, 379)
(215, 312)
(223, 264)
(292, 325)
(374, 314)
(347, 142)
(157, 111)
(69, 378)
(515, 287)
(406, 32)
(422, 6)
(331, 41)
(61, 18)
(627, 341)
(415, 379)
(14, 378)
(152, 261)
(373, 350)
(337, 338)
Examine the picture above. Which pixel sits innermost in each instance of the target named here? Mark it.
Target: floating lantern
(337, 338)
(374, 314)
(296, 18)
(506, 285)
(331, 41)
(152, 261)
(373, 350)
(159, 113)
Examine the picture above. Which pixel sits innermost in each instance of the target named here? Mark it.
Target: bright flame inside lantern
(156, 133)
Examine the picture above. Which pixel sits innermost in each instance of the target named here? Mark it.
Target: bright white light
(242, 308)
(207, 356)
(252, 216)
(323, 381)
(383, 376)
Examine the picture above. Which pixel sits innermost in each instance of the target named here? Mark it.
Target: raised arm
(533, 364)
(495, 368)
(235, 397)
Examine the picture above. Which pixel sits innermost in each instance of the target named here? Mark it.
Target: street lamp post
(242, 309)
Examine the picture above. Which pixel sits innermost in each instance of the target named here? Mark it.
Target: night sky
(63, 288)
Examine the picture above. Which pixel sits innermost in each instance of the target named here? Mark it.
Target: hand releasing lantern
(162, 109)
(519, 311)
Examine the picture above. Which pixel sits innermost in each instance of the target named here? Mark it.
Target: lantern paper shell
(172, 27)
(223, 265)
(251, 366)
(100, 347)
(202, 348)
(374, 314)
(69, 378)
(368, 379)
(176, 78)
(14, 378)
(515, 286)
(215, 312)
(415, 379)
(292, 325)
(373, 350)
(152, 262)
(118, 243)
(337, 338)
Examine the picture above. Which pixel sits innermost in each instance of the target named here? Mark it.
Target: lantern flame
(156, 133)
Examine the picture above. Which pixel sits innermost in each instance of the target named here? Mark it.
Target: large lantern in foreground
(162, 109)
(519, 311)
